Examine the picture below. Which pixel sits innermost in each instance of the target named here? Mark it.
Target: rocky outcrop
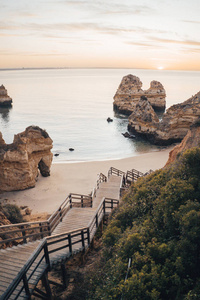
(144, 119)
(130, 91)
(192, 139)
(174, 125)
(156, 95)
(5, 100)
(21, 160)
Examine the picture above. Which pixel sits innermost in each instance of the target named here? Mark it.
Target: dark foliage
(158, 227)
(12, 213)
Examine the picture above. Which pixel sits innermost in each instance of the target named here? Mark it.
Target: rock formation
(5, 100)
(156, 95)
(174, 125)
(130, 91)
(20, 161)
(192, 139)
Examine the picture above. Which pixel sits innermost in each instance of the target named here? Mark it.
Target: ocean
(73, 105)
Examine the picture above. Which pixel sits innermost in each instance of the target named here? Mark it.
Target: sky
(152, 34)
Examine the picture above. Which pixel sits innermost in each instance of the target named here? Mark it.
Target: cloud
(6, 52)
(170, 41)
(144, 44)
(110, 7)
(191, 21)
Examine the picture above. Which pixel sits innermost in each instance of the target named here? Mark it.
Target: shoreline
(116, 158)
(80, 178)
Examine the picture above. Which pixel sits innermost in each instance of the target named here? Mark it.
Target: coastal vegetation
(12, 212)
(157, 228)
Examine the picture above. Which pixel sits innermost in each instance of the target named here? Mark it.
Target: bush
(13, 213)
(158, 227)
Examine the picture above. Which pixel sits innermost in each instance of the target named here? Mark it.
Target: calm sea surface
(73, 105)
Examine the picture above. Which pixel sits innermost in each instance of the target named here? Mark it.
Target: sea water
(73, 105)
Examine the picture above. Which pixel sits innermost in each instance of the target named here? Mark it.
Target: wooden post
(41, 231)
(96, 220)
(23, 234)
(64, 276)
(60, 210)
(82, 240)
(88, 236)
(49, 227)
(46, 254)
(45, 283)
(81, 200)
(26, 287)
(70, 200)
(111, 203)
(104, 206)
(70, 243)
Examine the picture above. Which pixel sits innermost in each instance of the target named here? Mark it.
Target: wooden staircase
(69, 230)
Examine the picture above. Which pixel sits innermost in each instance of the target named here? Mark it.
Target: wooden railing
(149, 172)
(30, 274)
(30, 231)
(101, 178)
(114, 171)
(133, 175)
(41, 261)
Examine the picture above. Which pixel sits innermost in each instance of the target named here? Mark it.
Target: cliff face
(5, 100)
(174, 125)
(20, 161)
(192, 139)
(144, 119)
(130, 91)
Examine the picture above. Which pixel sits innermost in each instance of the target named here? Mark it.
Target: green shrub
(13, 213)
(158, 227)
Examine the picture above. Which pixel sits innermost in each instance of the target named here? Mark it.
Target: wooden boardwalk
(73, 233)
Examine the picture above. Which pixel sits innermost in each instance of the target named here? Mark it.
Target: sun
(160, 68)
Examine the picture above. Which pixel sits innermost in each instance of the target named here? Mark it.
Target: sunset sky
(156, 34)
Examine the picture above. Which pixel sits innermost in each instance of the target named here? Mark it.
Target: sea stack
(21, 161)
(130, 91)
(5, 100)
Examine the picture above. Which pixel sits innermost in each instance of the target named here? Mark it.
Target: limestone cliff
(192, 139)
(174, 125)
(5, 100)
(20, 161)
(130, 91)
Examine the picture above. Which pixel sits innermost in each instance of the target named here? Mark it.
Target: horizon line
(113, 68)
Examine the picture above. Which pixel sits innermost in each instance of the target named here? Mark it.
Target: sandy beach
(81, 177)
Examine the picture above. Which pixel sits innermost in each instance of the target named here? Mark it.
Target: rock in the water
(5, 100)
(71, 149)
(56, 154)
(174, 125)
(128, 135)
(20, 161)
(109, 120)
(130, 91)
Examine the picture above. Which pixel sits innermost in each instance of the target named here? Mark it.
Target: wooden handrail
(114, 171)
(101, 178)
(55, 239)
(12, 287)
(43, 228)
